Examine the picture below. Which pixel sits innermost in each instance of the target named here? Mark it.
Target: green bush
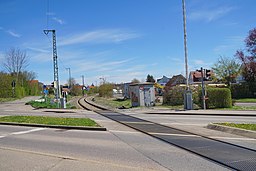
(240, 91)
(217, 98)
(106, 90)
(243, 90)
(93, 90)
(19, 92)
(174, 96)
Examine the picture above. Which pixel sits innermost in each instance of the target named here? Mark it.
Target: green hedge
(218, 98)
(240, 91)
(244, 90)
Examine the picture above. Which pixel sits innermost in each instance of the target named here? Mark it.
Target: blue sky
(123, 39)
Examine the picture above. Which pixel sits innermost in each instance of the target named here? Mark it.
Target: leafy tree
(226, 69)
(150, 79)
(134, 81)
(249, 60)
(75, 88)
(5, 83)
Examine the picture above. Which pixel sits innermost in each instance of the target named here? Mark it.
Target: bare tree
(29, 75)
(15, 61)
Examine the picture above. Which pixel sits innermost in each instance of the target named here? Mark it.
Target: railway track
(226, 154)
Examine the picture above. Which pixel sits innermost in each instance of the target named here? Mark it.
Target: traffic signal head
(207, 73)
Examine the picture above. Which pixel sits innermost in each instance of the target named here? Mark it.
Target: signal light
(207, 73)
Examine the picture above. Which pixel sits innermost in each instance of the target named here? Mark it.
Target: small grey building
(142, 94)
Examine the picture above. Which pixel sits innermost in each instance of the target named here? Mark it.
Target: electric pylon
(55, 65)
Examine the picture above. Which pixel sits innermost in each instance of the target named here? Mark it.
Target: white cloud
(60, 21)
(199, 62)
(12, 33)
(97, 66)
(1, 56)
(99, 36)
(209, 14)
(38, 50)
(229, 44)
(50, 13)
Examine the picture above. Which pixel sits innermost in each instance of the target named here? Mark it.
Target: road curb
(56, 126)
(237, 131)
(208, 114)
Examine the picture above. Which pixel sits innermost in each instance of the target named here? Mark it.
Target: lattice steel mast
(55, 64)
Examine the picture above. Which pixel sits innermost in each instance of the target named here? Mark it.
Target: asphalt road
(119, 148)
(197, 124)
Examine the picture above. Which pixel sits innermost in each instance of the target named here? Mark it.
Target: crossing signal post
(205, 74)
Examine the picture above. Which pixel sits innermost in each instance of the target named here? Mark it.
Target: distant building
(126, 90)
(195, 77)
(176, 80)
(163, 81)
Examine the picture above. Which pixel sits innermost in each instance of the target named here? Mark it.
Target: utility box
(142, 94)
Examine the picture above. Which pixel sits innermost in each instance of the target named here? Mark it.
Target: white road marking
(178, 135)
(9, 110)
(25, 132)
(22, 132)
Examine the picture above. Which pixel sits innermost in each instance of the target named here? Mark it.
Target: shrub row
(217, 97)
(243, 90)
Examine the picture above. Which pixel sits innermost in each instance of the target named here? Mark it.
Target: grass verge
(239, 108)
(246, 100)
(113, 102)
(49, 104)
(50, 120)
(7, 99)
(251, 127)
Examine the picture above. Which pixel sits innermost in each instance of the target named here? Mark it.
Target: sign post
(13, 88)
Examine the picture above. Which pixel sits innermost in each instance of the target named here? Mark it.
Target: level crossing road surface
(230, 155)
(119, 148)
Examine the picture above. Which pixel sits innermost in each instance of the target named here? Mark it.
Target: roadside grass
(246, 100)
(113, 102)
(7, 99)
(177, 107)
(50, 120)
(239, 108)
(49, 104)
(242, 125)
